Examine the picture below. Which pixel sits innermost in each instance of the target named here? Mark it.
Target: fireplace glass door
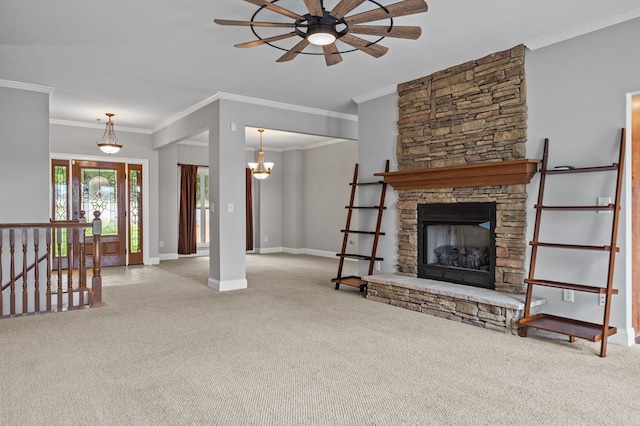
(456, 243)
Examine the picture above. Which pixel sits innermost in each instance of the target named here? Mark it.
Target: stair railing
(52, 278)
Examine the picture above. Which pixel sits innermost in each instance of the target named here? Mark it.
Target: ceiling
(149, 60)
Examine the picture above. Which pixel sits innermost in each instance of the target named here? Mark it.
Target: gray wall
(327, 173)
(24, 156)
(226, 167)
(378, 133)
(293, 220)
(577, 95)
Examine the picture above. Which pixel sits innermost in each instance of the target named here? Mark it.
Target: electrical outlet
(604, 201)
(378, 266)
(161, 243)
(230, 207)
(567, 296)
(602, 299)
(266, 239)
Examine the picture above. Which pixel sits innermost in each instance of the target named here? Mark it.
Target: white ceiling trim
(26, 86)
(100, 126)
(179, 116)
(318, 144)
(584, 29)
(250, 100)
(376, 94)
(291, 107)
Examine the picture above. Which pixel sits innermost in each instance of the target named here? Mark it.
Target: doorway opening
(80, 187)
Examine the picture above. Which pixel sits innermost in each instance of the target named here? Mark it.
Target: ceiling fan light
(321, 35)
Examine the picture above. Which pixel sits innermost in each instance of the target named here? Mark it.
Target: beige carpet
(289, 350)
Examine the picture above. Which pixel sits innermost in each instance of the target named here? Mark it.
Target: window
(202, 207)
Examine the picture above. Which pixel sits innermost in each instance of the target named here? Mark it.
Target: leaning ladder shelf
(567, 326)
(356, 281)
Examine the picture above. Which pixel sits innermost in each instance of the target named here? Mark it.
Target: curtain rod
(199, 165)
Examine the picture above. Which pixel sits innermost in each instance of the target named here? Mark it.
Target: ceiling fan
(323, 28)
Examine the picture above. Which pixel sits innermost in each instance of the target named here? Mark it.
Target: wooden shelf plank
(577, 208)
(568, 326)
(364, 207)
(351, 231)
(350, 280)
(357, 256)
(570, 286)
(572, 246)
(614, 166)
(511, 172)
(378, 182)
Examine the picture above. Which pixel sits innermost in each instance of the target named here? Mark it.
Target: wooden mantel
(511, 172)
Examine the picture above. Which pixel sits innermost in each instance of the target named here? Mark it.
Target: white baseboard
(168, 256)
(227, 285)
(624, 337)
(321, 253)
(268, 250)
(152, 261)
(293, 250)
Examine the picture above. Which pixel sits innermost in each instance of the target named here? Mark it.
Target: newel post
(96, 281)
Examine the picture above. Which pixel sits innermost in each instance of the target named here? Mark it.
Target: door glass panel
(99, 192)
(60, 206)
(202, 207)
(135, 202)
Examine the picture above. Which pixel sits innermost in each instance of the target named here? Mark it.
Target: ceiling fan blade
(314, 6)
(294, 51)
(275, 8)
(344, 7)
(331, 54)
(254, 23)
(381, 31)
(403, 8)
(374, 50)
(265, 40)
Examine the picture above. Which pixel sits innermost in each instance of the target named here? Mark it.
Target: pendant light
(108, 143)
(261, 169)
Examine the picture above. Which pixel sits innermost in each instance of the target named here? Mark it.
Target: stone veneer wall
(470, 113)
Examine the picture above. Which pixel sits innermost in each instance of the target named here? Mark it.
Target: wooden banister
(69, 286)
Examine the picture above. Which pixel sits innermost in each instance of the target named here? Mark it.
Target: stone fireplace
(461, 141)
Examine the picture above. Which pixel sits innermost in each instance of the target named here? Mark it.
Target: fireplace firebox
(456, 243)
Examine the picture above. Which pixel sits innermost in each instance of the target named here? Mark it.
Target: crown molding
(26, 86)
(97, 126)
(376, 94)
(290, 107)
(254, 101)
(589, 27)
(182, 114)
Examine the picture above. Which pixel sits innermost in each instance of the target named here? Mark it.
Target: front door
(100, 186)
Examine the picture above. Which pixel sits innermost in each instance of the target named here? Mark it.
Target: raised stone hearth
(478, 306)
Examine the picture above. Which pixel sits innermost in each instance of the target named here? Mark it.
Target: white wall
(24, 156)
(577, 98)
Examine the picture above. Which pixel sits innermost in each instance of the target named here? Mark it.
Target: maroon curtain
(187, 223)
(249, 210)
